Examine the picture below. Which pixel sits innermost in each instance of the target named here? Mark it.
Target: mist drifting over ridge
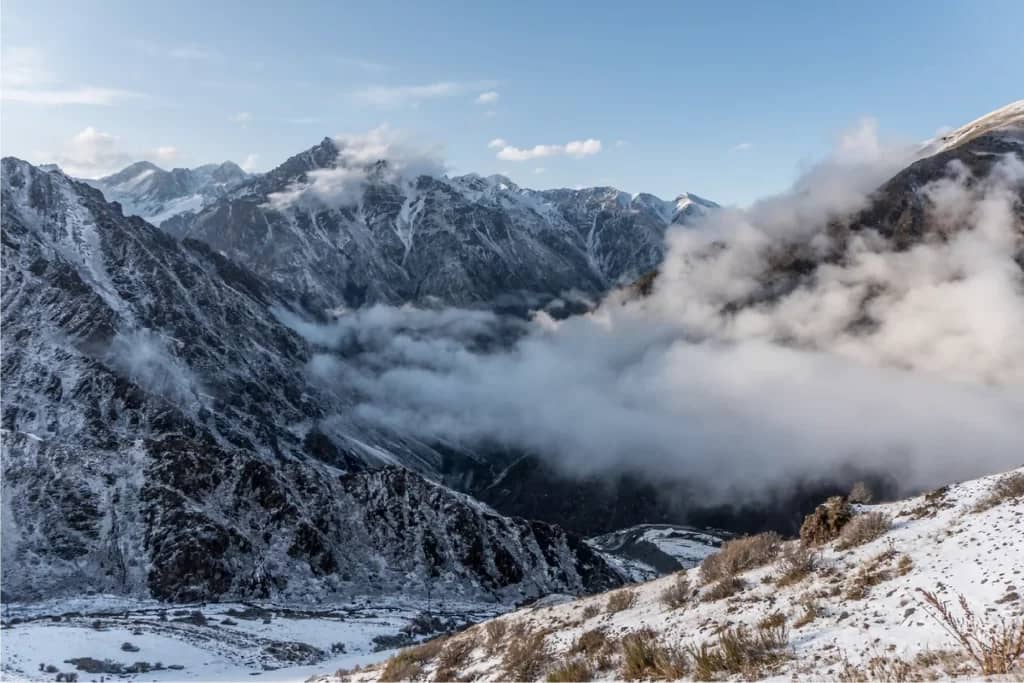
(734, 372)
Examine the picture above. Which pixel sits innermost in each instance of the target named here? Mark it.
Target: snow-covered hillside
(844, 611)
(156, 195)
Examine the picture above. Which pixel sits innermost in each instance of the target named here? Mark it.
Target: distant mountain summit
(337, 233)
(148, 191)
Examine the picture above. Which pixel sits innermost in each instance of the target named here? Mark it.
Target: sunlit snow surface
(953, 551)
(270, 643)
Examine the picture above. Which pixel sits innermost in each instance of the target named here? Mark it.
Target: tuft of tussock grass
(738, 651)
(453, 658)
(863, 529)
(860, 493)
(408, 664)
(496, 631)
(526, 657)
(1008, 487)
(724, 588)
(620, 600)
(571, 671)
(678, 593)
(739, 555)
(644, 658)
(797, 562)
(825, 523)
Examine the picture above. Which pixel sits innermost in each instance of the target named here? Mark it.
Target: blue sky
(727, 99)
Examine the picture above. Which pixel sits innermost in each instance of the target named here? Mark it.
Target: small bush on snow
(739, 555)
(863, 529)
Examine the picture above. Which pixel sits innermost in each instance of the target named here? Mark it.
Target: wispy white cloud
(303, 120)
(251, 162)
(742, 147)
(27, 80)
(87, 95)
(166, 154)
(396, 95)
(575, 148)
(343, 184)
(539, 170)
(489, 97)
(92, 153)
(242, 117)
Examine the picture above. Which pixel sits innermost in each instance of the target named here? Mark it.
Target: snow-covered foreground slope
(859, 614)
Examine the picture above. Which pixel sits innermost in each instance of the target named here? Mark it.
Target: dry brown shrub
(407, 665)
(1008, 487)
(995, 647)
(738, 651)
(620, 600)
(526, 657)
(739, 555)
(860, 493)
(453, 658)
(678, 592)
(798, 561)
(644, 658)
(590, 643)
(825, 523)
(571, 671)
(496, 631)
(591, 611)
(723, 588)
(863, 529)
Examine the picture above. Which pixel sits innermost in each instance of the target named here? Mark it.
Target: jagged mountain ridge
(159, 436)
(455, 240)
(154, 194)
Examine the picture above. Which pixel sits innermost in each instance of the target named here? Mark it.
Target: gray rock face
(146, 190)
(463, 240)
(158, 436)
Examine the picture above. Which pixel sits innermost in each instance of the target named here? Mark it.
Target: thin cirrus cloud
(742, 147)
(242, 117)
(397, 95)
(576, 148)
(87, 95)
(26, 80)
(489, 97)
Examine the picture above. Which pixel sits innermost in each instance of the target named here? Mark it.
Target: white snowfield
(234, 642)
(939, 543)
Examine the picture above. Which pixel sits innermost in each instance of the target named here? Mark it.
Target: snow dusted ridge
(156, 195)
(338, 231)
(1009, 116)
(859, 614)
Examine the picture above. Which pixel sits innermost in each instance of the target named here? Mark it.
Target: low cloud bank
(737, 373)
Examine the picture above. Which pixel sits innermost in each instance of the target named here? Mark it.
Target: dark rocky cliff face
(159, 436)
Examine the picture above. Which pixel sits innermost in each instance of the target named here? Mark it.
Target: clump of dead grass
(863, 529)
(740, 555)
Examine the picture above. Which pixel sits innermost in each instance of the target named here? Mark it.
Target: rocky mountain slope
(336, 232)
(156, 195)
(887, 599)
(159, 436)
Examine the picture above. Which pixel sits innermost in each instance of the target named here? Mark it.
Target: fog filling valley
(908, 363)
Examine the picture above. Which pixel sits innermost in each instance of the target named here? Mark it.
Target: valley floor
(208, 642)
